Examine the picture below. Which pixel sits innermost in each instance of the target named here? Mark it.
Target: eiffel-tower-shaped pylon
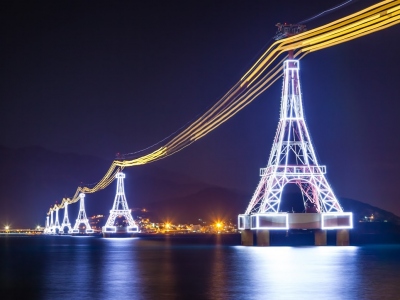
(47, 227)
(82, 219)
(292, 160)
(65, 222)
(56, 226)
(120, 209)
(51, 227)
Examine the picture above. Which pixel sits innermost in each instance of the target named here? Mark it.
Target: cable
(325, 12)
(259, 78)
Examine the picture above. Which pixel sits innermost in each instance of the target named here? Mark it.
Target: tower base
(118, 235)
(114, 231)
(81, 232)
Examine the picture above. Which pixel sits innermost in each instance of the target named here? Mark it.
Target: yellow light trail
(259, 78)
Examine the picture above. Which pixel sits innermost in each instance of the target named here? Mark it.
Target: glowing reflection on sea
(199, 268)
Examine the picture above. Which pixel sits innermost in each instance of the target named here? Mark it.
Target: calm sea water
(97, 268)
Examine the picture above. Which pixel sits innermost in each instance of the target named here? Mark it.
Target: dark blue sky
(101, 77)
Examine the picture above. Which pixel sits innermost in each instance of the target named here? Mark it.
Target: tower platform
(286, 221)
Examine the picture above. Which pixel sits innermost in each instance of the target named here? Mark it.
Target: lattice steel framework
(82, 218)
(51, 227)
(292, 158)
(120, 208)
(66, 222)
(56, 226)
(47, 228)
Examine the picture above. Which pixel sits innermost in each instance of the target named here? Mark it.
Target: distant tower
(47, 228)
(120, 208)
(65, 222)
(82, 216)
(293, 160)
(51, 228)
(57, 223)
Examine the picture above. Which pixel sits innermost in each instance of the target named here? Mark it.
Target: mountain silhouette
(33, 179)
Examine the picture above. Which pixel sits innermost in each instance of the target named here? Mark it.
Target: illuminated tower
(120, 208)
(51, 228)
(47, 228)
(57, 222)
(65, 222)
(82, 219)
(292, 160)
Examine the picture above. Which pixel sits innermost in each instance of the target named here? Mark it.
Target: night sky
(101, 77)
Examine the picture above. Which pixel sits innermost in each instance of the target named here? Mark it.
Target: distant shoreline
(305, 238)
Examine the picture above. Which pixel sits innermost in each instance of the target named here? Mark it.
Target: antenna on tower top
(285, 30)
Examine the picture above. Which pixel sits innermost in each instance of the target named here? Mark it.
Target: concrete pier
(247, 237)
(342, 237)
(263, 238)
(320, 237)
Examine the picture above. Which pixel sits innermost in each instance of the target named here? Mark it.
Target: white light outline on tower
(120, 200)
(66, 222)
(292, 158)
(47, 228)
(82, 218)
(56, 226)
(51, 227)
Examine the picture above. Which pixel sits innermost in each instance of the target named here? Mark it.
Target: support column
(247, 237)
(342, 237)
(320, 237)
(263, 238)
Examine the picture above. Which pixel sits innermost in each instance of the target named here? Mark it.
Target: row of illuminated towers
(120, 209)
(292, 161)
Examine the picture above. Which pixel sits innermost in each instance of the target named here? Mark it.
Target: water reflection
(156, 269)
(297, 273)
(218, 274)
(379, 272)
(167, 268)
(119, 275)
